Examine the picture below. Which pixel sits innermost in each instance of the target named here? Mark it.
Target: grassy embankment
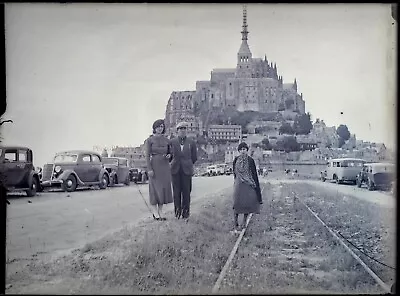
(153, 257)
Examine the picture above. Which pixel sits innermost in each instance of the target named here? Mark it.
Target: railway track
(336, 236)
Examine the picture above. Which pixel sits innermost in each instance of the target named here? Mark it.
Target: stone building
(225, 132)
(253, 85)
(180, 107)
(135, 155)
(230, 153)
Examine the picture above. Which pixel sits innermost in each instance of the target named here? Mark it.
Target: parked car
(342, 170)
(216, 170)
(377, 175)
(229, 171)
(17, 170)
(138, 175)
(74, 168)
(117, 168)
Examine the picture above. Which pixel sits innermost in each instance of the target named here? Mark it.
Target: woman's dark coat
(253, 171)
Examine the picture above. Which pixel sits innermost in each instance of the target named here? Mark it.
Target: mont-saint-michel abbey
(251, 103)
(253, 85)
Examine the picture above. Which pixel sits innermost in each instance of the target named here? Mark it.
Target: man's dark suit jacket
(185, 158)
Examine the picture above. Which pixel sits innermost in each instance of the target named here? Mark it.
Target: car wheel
(127, 181)
(34, 187)
(104, 182)
(69, 184)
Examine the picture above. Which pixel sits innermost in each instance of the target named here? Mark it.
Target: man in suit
(183, 157)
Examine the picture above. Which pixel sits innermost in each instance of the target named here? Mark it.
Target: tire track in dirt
(296, 256)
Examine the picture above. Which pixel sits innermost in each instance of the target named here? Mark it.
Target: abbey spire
(244, 56)
(244, 26)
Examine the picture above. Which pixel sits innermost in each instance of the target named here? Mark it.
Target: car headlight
(57, 169)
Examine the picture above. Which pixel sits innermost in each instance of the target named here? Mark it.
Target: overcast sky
(80, 75)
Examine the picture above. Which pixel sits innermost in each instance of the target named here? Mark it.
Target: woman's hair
(157, 123)
(243, 145)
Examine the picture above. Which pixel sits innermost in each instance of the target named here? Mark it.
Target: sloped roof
(244, 48)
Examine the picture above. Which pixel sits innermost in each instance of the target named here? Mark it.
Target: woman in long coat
(247, 194)
(159, 171)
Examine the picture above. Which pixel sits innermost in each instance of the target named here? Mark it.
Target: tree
(288, 144)
(302, 124)
(265, 145)
(341, 142)
(286, 128)
(343, 132)
(243, 119)
(201, 140)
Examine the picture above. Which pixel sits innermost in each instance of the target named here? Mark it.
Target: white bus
(343, 170)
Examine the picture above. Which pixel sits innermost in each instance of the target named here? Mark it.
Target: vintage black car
(229, 171)
(74, 168)
(138, 175)
(376, 175)
(118, 169)
(17, 170)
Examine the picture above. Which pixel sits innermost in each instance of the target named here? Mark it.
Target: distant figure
(247, 194)
(184, 155)
(159, 172)
(265, 172)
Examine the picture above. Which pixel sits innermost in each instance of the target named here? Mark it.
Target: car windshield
(135, 170)
(113, 161)
(351, 163)
(65, 158)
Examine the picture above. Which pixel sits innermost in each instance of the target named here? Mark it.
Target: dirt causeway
(288, 252)
(284, 250)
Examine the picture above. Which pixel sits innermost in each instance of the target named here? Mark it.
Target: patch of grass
(298, 255)
(153, 257)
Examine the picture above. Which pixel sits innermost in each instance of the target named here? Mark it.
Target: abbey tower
(254, 85)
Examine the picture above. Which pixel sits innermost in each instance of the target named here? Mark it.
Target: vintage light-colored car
(74, 168)
(17, 170)
(376, 175)
(216, 170)
(118, 170)
(342, 170)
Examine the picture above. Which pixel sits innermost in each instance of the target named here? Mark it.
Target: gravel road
(381, 198)
(56, 222)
